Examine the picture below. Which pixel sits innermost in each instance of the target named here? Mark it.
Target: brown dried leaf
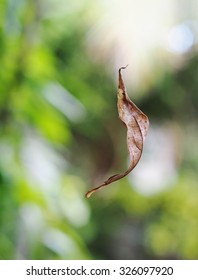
(137, 124)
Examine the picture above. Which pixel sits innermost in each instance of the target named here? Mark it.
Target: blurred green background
(60, 134)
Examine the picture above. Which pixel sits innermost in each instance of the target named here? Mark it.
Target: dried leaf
(137, 124)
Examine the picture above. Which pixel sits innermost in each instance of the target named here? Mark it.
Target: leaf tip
(89, 193)
(123, 67)
(121, 83)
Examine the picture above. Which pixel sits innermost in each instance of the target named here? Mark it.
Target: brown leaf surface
(137, 124)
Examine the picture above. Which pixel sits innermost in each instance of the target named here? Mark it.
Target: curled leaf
(137, 124)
